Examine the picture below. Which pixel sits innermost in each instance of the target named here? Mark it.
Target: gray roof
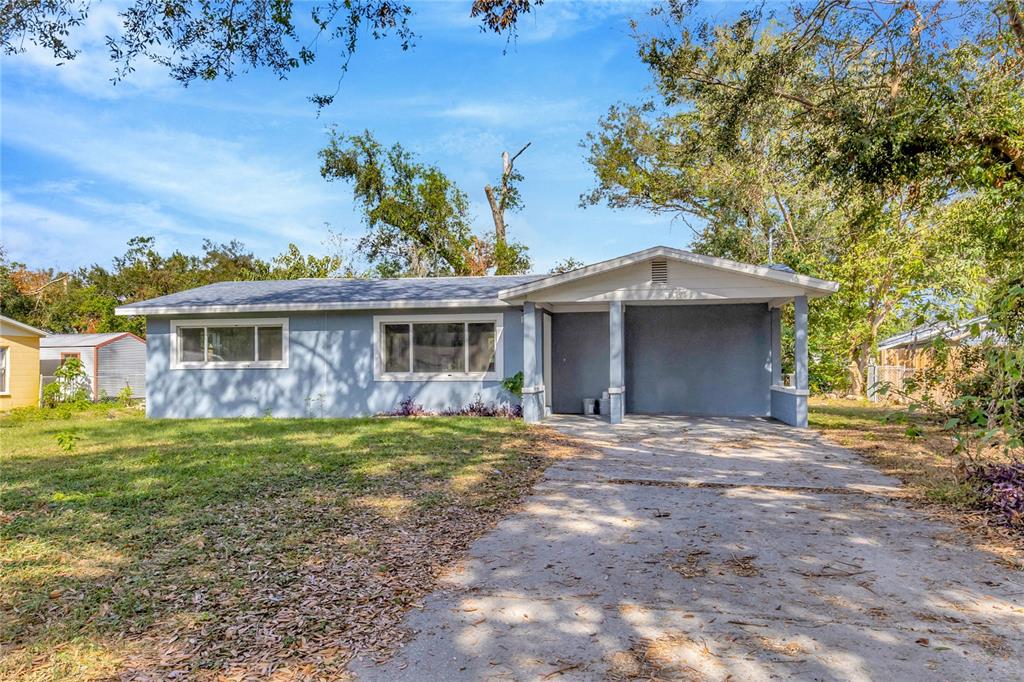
(311, 294)
(929, 331)
(77, 340)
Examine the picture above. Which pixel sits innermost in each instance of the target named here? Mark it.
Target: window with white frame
(5, 372)
(438, 347)
(212, 344)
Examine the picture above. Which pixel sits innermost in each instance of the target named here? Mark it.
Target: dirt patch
(925, 465)
(694, 565)
(742, 566)
(656, 660)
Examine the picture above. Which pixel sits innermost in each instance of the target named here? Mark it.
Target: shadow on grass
(103, 541)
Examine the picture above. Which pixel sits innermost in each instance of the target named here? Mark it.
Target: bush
(477, 408)
(124, 397)
(1001, 490)
(514, 384)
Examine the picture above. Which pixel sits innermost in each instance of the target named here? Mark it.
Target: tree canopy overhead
(211, 39)
(874, 142)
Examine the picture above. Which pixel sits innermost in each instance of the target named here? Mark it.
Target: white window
(214, 344)
(437, 347)
(5, 372)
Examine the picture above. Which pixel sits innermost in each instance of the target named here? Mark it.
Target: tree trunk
(498, 215)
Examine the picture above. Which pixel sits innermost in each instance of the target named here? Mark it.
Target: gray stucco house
(662, 331)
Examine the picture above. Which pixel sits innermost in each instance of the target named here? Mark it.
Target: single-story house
(110, 361)
(660, 331)
(19, 363)
(901, 356)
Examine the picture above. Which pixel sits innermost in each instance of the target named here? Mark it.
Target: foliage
(975, 387)
(567, 265)
(514, 384)
(210, 39)
(72, 382)
(417, 218)
(875, 144)
(125, 397)
(84, 300)
(1000, 488)
(66, 440)
(478, 408)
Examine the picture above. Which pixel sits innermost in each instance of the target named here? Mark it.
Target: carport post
(800, 347)
(617, 358)
(533, 388)
(776, 332)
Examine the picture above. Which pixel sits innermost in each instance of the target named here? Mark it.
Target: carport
(666, 331)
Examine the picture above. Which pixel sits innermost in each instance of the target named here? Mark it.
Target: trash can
(589, 406)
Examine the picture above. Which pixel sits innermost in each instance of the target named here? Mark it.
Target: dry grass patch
(924, 464)
(230, 549)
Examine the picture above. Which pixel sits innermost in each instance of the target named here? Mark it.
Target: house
(660, 331)
(111, 361)
(901, 356)
(19, 363)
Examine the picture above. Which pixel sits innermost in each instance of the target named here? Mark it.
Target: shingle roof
(78, 340)
(299, 294)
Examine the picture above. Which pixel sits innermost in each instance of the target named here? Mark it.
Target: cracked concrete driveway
(684, 548)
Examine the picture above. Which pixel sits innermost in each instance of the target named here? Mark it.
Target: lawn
(924, 463)
(230, 548)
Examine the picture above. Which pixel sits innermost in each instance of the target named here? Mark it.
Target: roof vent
(659, 272)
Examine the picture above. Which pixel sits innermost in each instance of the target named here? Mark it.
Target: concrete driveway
(684, 548)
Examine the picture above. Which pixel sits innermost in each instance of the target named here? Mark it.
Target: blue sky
(87, 165)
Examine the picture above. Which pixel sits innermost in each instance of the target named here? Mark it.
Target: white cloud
(91, 72)
(521, 113)
(213, 179)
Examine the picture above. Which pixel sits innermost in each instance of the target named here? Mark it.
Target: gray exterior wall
(699, 359)
(329, 373)
(579, 359)
(122, 363)
(789, 408)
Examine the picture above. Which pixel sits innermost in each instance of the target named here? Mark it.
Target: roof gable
(686, 277)
(9, 327)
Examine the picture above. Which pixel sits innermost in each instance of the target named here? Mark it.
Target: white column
(617, 362)
(800, 347)
(776, 337)
(533, 389)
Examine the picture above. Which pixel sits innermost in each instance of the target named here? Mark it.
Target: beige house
(19, 363)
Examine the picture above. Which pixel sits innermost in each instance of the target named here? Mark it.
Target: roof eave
(22, 326)
(308, 307)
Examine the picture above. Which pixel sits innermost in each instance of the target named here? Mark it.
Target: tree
(417, 218)
(505, 198)
(856, 136)
(84, 300)
(211, 39)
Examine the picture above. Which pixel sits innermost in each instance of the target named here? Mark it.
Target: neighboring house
(901, 356)
(660, 331)
(19, 363)
(111, 361)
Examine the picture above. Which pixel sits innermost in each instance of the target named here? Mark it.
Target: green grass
(106, 544)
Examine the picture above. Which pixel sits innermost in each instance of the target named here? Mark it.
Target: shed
(111, 361)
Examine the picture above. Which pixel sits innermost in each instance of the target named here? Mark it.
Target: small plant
(514, 384)
(67, 440)
(51, 395)
(1001, 490)
(124, 397)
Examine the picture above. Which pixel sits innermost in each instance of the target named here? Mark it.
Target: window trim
(379, 347)
(232, 322)
(5, 387)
